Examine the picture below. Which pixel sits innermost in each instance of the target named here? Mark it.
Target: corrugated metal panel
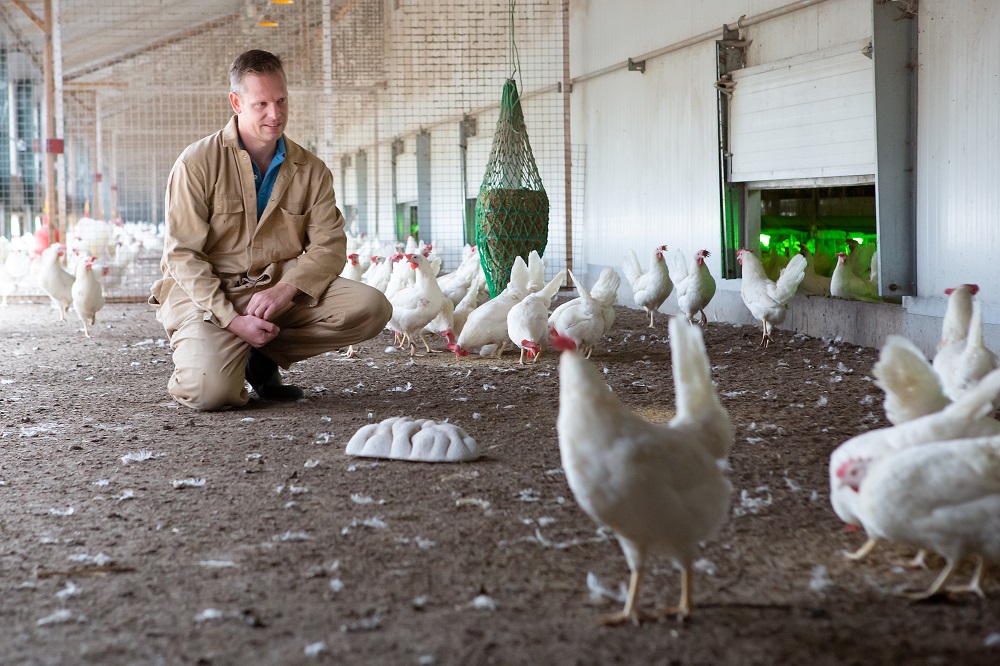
(652, 163)
(958, 156)
(811, 116)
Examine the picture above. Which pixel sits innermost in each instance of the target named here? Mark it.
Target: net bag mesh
(512, 209)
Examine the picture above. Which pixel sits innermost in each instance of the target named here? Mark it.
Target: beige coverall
(216, 255)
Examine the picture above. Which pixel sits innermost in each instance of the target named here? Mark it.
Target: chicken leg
(651, 318)
(630, 612)
(936, 585)
(683, 608)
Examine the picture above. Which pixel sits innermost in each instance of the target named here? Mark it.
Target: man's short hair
(253, 61)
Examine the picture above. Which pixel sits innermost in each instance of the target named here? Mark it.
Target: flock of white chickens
(930, 481)
(457, 307)
(96, 258)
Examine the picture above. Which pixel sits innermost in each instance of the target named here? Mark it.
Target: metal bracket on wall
(634, 66)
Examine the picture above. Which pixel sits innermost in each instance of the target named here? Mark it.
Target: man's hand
(271, 302)
(254, 330)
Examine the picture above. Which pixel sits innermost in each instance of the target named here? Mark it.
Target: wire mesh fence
(400, 98)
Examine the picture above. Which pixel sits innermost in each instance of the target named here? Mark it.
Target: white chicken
(454, 285)
(378, 276)
(971, 416)
(657, 486)
(962, 358)
(401, 277)
(414, 307)
(604, 293)
(527, 321)
(860, 258)
(352, 269)
(812, 282)
(87, 293)
(487, 324)
(581, 319)
(55, 280)
(694, 288)
(768, 300)
(15, 265)
(468, 303)
(845, 284)
(652, 288)
(943, 497)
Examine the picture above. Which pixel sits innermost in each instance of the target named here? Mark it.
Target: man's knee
(372, 313)
(207, 391)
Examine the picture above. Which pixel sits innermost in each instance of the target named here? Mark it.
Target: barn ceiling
(98, 33)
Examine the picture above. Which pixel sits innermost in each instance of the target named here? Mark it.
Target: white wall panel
(958, 155)
(815, 28)
(652, 162)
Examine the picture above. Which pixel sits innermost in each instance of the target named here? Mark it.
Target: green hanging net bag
(512, 210)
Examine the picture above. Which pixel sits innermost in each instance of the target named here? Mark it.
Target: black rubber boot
(263, 375)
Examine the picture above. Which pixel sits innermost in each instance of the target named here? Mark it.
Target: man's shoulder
(210, 144)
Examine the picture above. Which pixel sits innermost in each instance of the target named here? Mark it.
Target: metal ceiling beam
(22, 44)
(42, 25)
(90, 68)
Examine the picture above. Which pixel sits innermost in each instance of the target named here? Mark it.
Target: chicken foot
(765, 339)
(973, 585)
(918, 561)
(862, 553)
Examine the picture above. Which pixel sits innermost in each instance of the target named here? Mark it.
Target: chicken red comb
(561, 342)
(352, 255)
(408, 256)
(662, 248)
(705, 253)
(974, 288)
(455, 347)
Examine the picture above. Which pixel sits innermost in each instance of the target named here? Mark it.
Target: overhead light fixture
(282, 2)
(267, 22)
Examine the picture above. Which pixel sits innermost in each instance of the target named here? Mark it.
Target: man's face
(262, 108)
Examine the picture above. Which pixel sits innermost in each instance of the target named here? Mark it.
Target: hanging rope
(512, 209)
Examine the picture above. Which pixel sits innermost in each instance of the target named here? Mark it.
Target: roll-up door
(807, 117)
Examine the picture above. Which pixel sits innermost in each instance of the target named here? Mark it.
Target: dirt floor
(292, 552)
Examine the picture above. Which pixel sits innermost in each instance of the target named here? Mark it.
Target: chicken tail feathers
(694, 392)
(788, 281)
(677, 266)
(605, 290)
(912, 388)
(585, 296)
(631, 266)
